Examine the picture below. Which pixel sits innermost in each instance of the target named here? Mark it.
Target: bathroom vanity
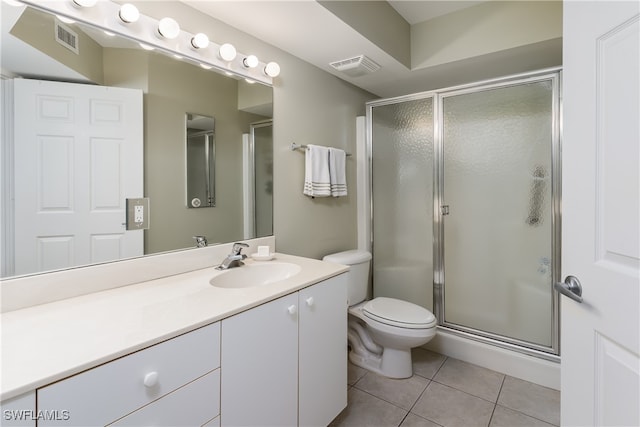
(179, 351)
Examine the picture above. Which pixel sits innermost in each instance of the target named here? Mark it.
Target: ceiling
(309, 31)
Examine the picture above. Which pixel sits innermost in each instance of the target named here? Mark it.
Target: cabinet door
(323, 351)
(259, 384)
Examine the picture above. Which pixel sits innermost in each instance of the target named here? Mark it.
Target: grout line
(497, 398)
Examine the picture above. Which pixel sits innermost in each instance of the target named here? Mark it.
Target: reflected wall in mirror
(170, 88)
(201, 156)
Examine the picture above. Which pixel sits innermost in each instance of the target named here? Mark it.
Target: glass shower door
(402, 196)
(498, 232)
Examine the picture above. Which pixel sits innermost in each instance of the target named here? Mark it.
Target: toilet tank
(358, 274)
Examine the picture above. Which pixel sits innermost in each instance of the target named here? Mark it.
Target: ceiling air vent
(66, 37)
(356, 66)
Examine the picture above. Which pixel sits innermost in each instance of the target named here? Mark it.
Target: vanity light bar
(164, 35)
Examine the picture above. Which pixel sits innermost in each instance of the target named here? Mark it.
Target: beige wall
(484, 29)
(310, 107)
(37, 29)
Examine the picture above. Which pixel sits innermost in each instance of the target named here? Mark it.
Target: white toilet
(382, 331)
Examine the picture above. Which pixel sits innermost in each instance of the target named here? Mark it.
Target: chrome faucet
(234, 259)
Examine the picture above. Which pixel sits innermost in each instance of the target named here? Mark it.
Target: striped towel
(337, 173)
(316, 174)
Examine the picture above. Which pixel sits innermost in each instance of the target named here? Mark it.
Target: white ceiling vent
(356, 66)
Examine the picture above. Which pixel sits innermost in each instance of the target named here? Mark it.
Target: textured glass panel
(497, 237)
(402, 162)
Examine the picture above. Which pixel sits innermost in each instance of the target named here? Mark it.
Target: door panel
(601, 212)
(78, 157)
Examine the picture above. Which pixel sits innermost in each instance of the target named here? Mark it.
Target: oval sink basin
(252, 275)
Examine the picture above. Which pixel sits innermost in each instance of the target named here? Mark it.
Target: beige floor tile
(426, 363)
(531, 399)
(505, 417)
(364, 409)
(472, 379)
(412, 420)
(354, 373)
(450, 407)
(401, 392)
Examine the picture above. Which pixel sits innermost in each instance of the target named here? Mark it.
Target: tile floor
(446, 392)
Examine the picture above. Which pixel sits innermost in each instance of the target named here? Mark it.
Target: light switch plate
(138, 214)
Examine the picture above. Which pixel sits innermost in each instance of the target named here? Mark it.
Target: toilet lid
(399, 313)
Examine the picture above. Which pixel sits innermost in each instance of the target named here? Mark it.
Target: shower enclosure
(466, 207)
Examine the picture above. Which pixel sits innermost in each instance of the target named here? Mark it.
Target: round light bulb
(227, 52)
(85, 3)
(272, 69)
(129, 13)
(251, 61)
(168, 28)
(65, 19)
(200, 41)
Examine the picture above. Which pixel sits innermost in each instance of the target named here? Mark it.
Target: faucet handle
(201, 241)
(238, 246)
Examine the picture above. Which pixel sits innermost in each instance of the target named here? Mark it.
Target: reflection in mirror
(170, 87)
(262, 140)
(200, 141)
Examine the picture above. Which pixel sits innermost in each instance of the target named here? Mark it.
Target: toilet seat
(398, 313)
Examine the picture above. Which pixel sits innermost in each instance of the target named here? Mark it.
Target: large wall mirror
(172, 89)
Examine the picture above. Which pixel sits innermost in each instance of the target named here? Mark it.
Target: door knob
(571, 288)
(292, 309)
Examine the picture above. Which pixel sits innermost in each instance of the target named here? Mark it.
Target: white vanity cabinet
(19, 411)
(284, 363)
(179, 377)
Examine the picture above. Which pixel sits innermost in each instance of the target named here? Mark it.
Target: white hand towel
(316, 174)
(337, 172)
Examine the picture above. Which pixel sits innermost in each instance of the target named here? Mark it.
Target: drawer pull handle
(310, 301)
(151, 379)
(292, 309)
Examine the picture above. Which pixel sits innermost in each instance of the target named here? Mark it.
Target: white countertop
(48, 342)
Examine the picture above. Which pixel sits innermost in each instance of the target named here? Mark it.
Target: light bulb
(85, 3)
(129, 13)
(251, 61)
(272, 69)
(200, 41)
(168, 28)
(227, 52)
(65, 19)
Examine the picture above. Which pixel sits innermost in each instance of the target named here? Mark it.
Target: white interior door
(601, 214)
(78, 154)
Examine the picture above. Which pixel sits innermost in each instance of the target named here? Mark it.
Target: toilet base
(392, 363)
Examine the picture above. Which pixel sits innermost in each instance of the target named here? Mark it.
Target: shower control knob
(292, 309)
(310, 301)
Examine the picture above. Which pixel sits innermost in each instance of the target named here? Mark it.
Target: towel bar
(295, 146)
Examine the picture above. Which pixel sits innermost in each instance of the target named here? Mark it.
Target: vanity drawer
(191, 405)
(106, 393)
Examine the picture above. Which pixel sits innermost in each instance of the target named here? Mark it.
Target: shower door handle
(571, 288)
